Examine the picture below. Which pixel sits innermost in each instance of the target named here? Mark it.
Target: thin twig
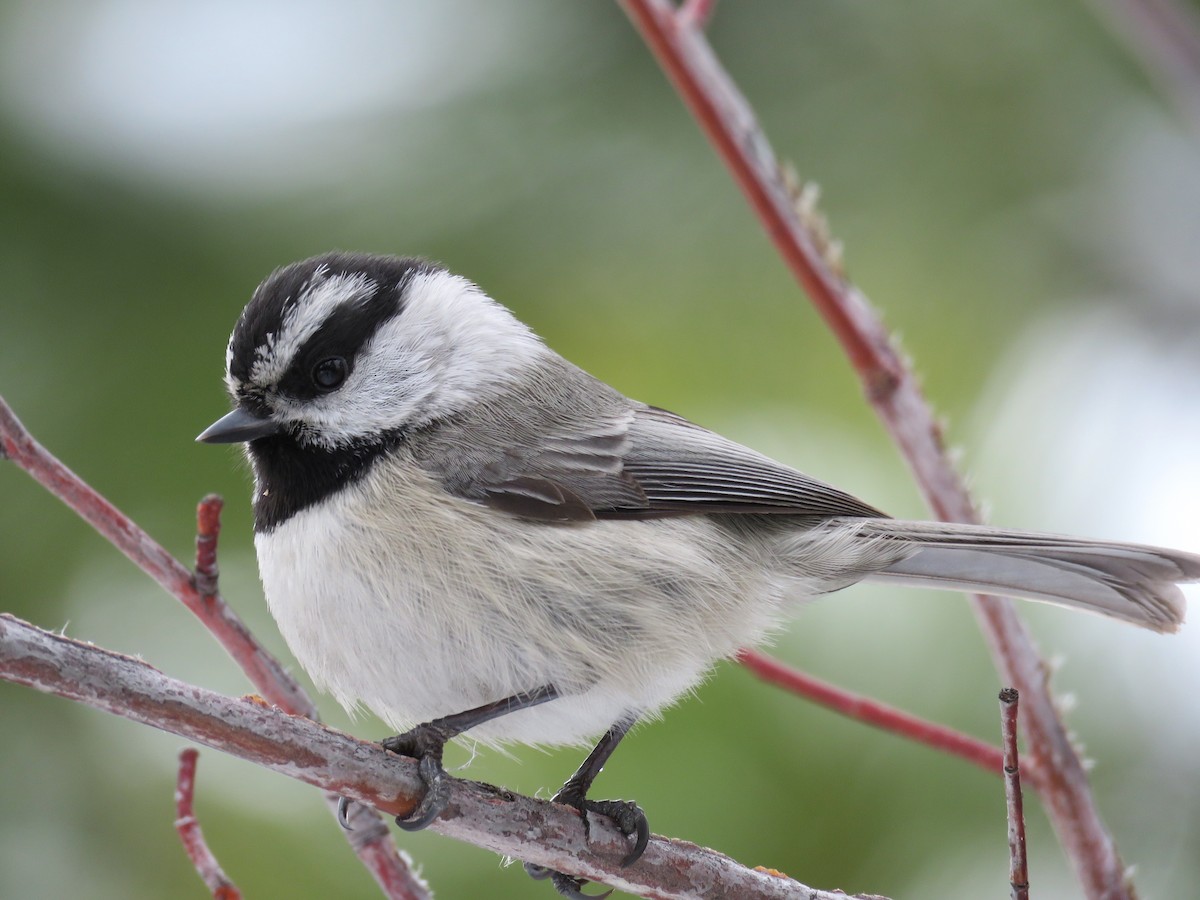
(378, 854)
(263, 670)
(208, 530)
(538, 831)
(873, 712)
(202, 857)
(1018, 866)
(892, 390)
(393, 869)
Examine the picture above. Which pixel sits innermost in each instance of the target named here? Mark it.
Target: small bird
(462, 531)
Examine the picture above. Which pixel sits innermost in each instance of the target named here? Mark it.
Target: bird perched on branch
(462, 531)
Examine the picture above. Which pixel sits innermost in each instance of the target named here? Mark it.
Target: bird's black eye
(329, 374)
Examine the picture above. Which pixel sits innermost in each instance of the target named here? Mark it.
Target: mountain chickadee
(459, 529)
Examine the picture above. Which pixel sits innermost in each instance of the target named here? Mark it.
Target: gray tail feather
(1125, 581)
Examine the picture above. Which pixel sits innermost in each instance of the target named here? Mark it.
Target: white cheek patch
(366, 406)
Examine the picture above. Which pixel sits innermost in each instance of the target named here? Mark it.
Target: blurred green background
(1011, 190)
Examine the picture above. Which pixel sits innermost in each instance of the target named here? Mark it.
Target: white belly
(418, 605)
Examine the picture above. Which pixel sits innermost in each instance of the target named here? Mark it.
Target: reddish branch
(535, 830)
(872, 712)
(1018, 866)
(892, 390)
(371, 839)
(208, 529)
(199, 594)
(263, 670)
(192, 837)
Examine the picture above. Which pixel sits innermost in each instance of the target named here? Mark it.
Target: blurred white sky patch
(224, 95)
(1093, 420)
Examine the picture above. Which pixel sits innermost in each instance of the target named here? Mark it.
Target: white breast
(416, 604)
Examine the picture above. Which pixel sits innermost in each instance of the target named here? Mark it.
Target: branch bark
(534, 830)
(891, 388)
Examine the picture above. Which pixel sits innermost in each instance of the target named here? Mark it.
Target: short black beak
(238, 426)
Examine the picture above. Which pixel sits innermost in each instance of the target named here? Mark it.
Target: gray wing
(683, 468)
(632, 462)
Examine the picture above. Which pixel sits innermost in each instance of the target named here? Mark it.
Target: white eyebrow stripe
(304, 318)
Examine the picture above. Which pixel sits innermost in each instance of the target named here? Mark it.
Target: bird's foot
(567, 885)
(625, 814)
(629, 819)
(426, 744)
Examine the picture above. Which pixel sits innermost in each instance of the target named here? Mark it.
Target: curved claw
(629, 819)
(567, 885)
(343, 813)
(642, 831)
(436, 799)
(572, 887)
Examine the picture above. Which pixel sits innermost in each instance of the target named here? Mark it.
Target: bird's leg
(625, 814)
(426, 743)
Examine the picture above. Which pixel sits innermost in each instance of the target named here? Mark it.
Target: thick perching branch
(538, 831)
